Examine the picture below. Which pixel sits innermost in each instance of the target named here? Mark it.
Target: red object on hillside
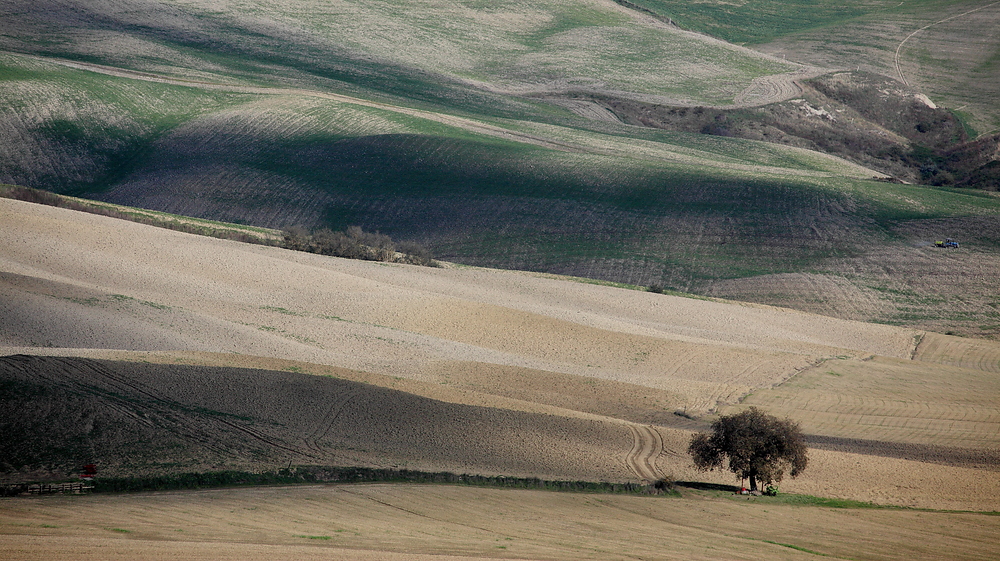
(89, 471)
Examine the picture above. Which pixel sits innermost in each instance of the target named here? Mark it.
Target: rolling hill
(568, 162)
(530, 344)
(151, 352)
(944, 48)
(485, 135)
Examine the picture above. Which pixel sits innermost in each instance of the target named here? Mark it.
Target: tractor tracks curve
(168, 404)
(647, 445)
(775, 88)
(146, 404)
(324, 426)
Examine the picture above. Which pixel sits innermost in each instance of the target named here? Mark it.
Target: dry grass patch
(955, 351)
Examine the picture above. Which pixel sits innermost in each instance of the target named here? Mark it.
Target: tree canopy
(760, 447)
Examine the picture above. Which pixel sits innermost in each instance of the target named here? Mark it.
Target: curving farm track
(647, 445)
(775, 88)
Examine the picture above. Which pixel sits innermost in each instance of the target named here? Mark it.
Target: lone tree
(759, 446)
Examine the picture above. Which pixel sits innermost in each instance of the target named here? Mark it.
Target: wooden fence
(75, 488)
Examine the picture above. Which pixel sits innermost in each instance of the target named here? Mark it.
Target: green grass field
(757, 22)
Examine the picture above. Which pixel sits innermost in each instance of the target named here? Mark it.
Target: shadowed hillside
(134, 419)
(619, 168)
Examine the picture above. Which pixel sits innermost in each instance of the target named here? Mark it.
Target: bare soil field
(891, 400)
(136, 418)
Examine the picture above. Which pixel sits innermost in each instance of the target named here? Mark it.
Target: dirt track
(647, 447)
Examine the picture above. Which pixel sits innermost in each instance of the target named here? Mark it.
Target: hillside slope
(476, 132)
(946, 49)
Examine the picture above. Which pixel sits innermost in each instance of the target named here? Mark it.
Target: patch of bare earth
(943, 50)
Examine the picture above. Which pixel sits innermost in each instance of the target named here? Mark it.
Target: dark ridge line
(987, 459)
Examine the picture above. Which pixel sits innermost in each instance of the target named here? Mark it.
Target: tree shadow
(707, 486)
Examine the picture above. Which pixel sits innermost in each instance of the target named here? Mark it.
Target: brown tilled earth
(155, 352)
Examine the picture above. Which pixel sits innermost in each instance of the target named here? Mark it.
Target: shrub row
(315, 474)
(353, 243)
(39, 196)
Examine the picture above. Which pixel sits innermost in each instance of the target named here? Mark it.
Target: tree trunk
(753, 483)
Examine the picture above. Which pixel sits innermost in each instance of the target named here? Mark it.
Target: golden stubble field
(909, 418)
(407, 522)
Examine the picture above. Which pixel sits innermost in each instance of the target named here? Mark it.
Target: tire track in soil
(647, 445)
(167, 409)
(942, 349)
(171, 404)
(411, 512)
(774, 88)
(68, 373)
(324, 426)
(195, 427)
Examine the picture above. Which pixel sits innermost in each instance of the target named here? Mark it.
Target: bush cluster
(355, 243)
